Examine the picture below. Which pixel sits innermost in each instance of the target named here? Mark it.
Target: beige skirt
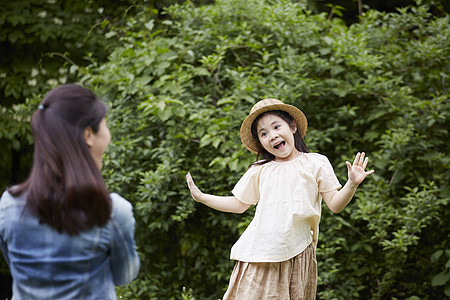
(295, 278)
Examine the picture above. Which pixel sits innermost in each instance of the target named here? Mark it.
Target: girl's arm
(338, 200)
(222, 203)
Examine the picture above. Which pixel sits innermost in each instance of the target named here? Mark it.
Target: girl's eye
(277, 126)
(263, 134)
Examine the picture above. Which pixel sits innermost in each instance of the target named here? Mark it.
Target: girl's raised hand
(195, 191)
(356, 172)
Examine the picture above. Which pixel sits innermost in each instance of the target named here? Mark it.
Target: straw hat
(265, 105)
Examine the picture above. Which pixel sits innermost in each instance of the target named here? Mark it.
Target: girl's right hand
(195, 191)
(222, 203)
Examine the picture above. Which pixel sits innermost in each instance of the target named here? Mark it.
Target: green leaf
(440, 279)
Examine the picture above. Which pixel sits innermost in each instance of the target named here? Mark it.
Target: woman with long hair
(63, 235)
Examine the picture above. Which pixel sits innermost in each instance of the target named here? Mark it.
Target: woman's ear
(89, 136)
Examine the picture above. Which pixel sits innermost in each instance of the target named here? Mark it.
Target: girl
(62, 234)
(275, 255)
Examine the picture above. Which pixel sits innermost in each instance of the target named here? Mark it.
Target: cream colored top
(287, 216)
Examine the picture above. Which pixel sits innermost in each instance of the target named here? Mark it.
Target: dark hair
(266, 155)
(65, 188)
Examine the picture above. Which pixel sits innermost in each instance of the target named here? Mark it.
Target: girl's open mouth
(279, 145)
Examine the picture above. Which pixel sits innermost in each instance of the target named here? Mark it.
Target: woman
(61, 232)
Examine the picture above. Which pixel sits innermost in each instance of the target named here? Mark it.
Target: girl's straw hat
(265, 105)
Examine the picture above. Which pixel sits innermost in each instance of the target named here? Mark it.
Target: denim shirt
(45, 264)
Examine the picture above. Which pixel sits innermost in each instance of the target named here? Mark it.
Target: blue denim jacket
(45, 264)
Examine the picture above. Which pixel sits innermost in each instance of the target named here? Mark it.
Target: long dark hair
(263, 153)
(65, 188)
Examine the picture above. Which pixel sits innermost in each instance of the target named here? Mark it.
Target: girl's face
(98, 142)
(277, 137)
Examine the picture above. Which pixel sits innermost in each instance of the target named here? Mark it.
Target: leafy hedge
(179, 90)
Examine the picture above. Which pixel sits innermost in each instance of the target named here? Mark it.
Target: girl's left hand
(356, 172)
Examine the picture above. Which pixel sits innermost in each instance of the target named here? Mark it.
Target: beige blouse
(287, 216)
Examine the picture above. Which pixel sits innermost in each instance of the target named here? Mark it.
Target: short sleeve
(326, 178)
(246, 189)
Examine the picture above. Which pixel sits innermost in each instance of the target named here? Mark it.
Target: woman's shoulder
(8, 199)
(120, 206)
(5, 195)
(119, 200)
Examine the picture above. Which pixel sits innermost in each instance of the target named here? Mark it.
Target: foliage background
(180, 79)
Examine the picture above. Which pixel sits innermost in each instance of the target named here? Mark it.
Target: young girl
(63, 235)
(275, 255)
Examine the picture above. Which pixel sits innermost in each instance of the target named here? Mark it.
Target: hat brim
(246, 127)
